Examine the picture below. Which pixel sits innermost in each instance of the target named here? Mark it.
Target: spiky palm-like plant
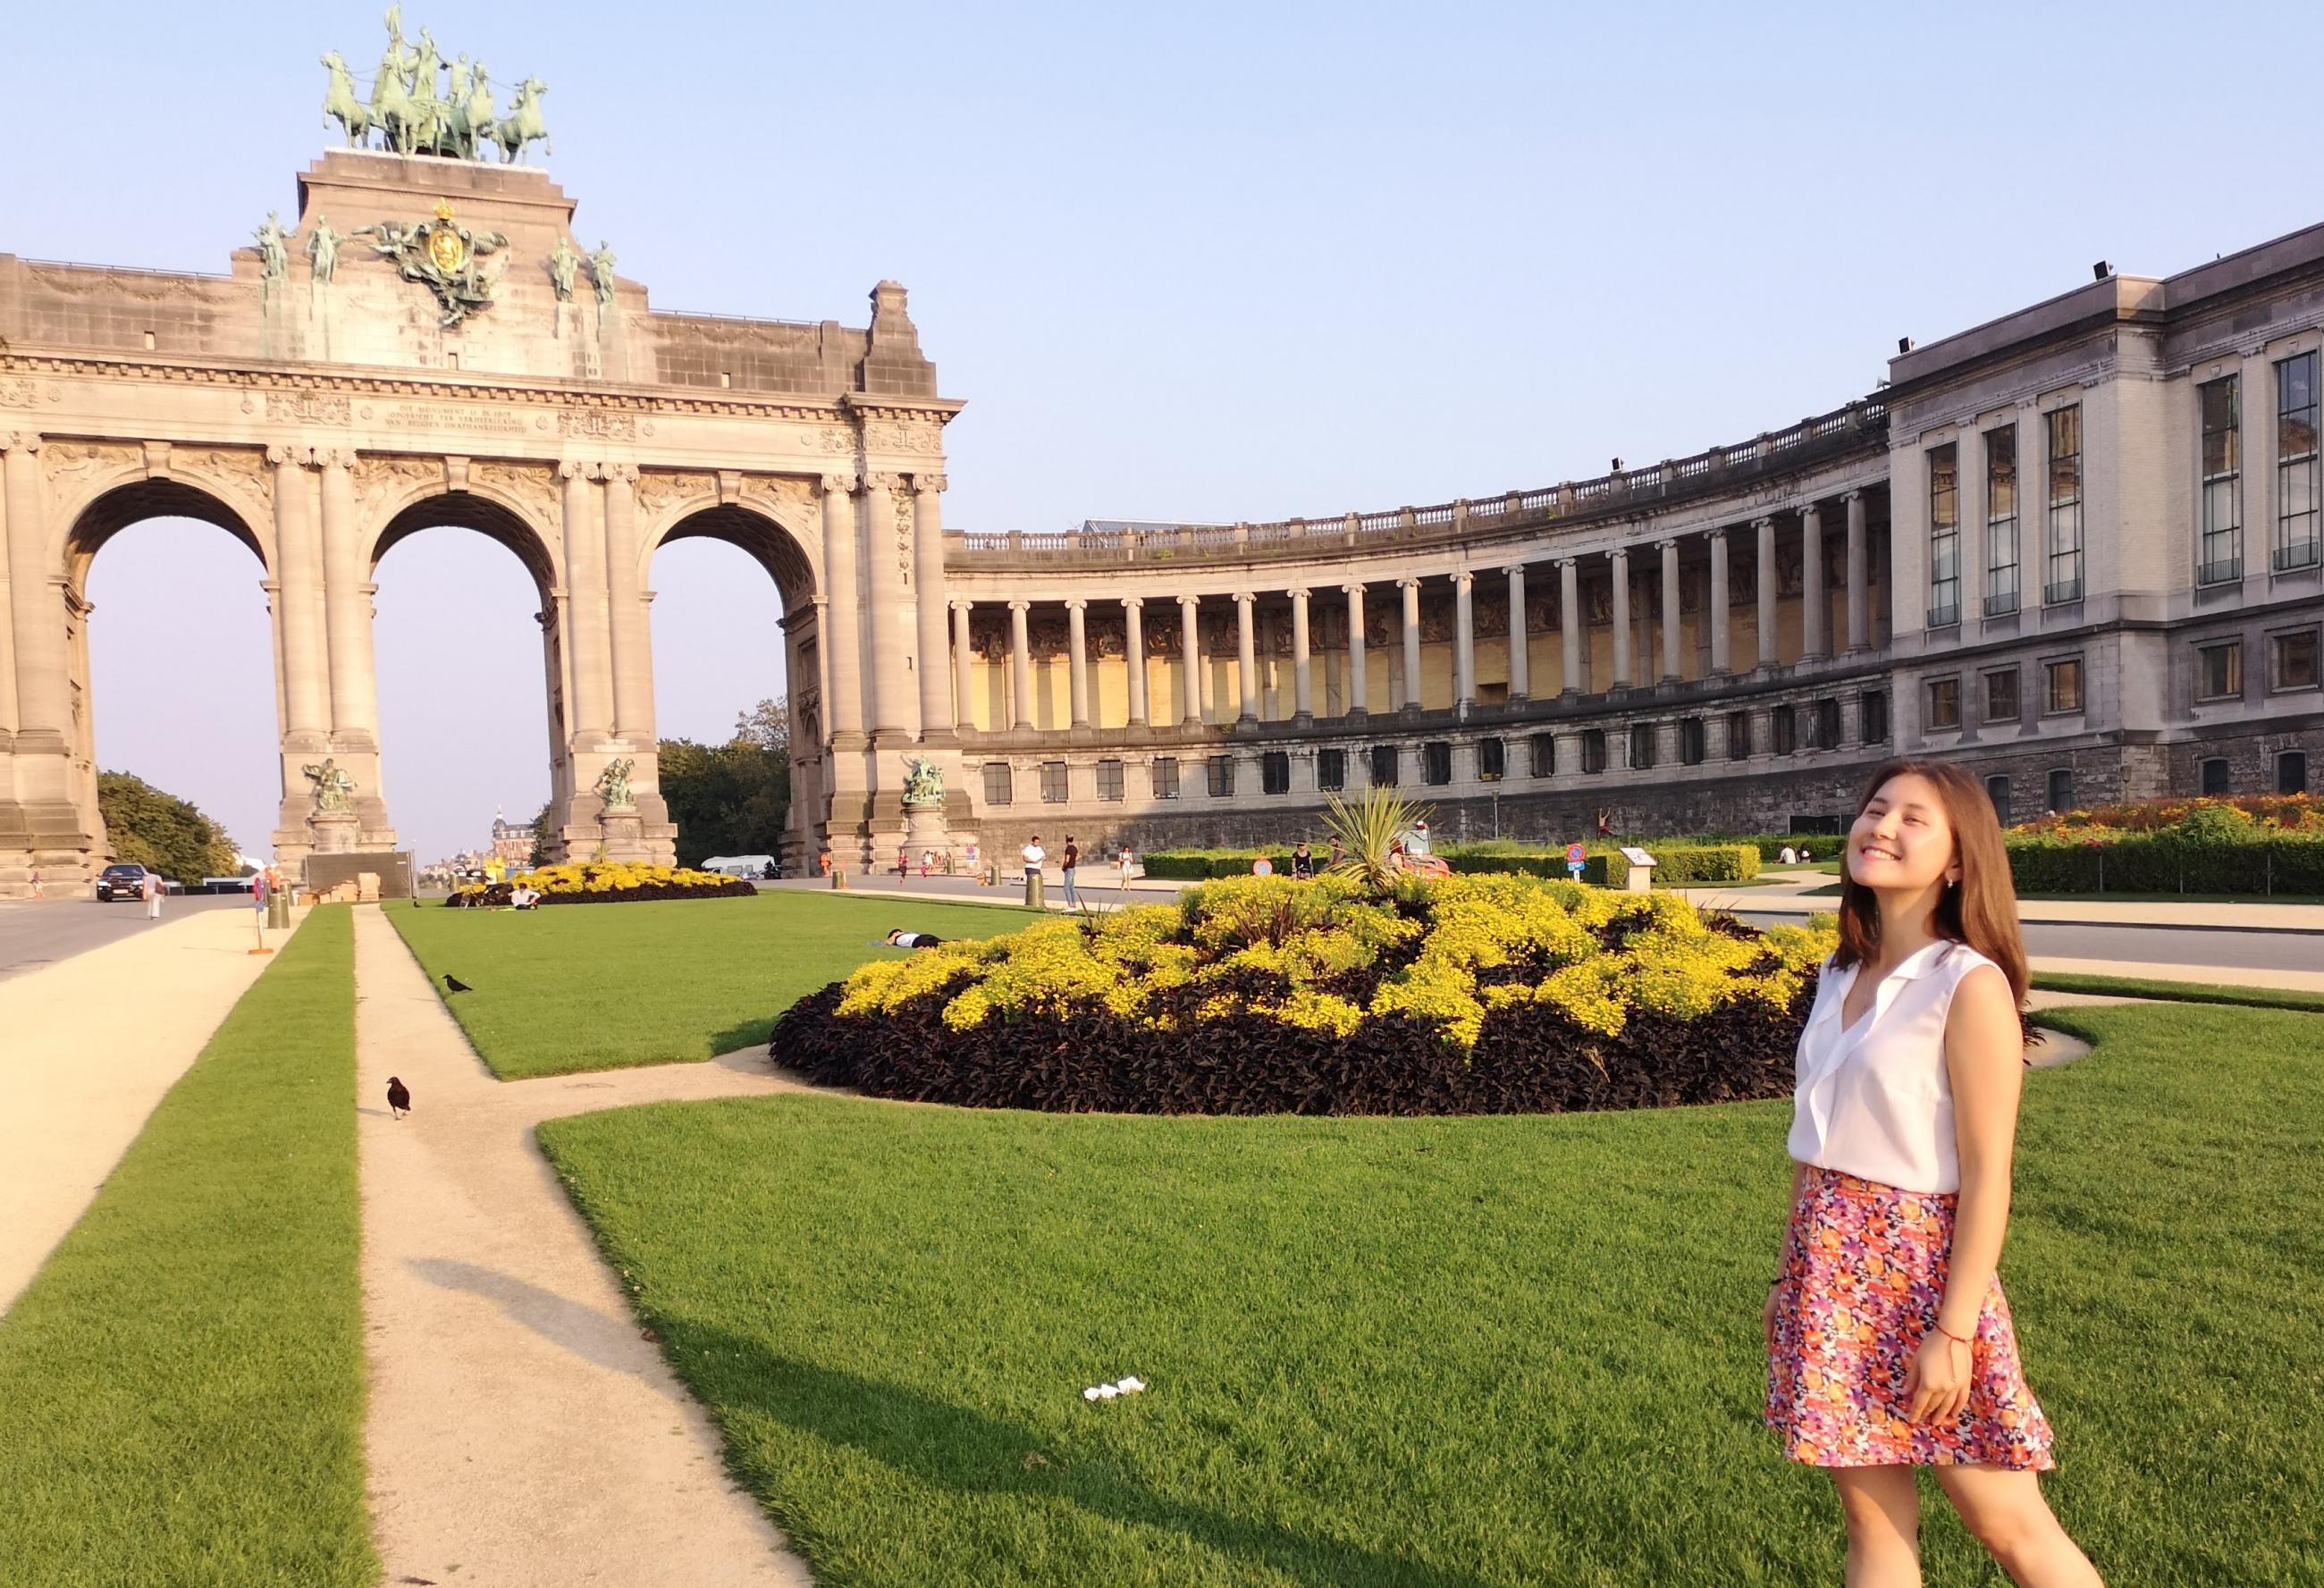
(1368, 829)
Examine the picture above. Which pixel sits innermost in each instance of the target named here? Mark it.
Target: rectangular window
(1383, 765)
(2064, 579)
(2062, 789)
(2215, 777)
(1543, 746)
(2291, 771)
(1221, 770)
(1944, 704)
(1275, 772)
(1053, 783)
(2220, 551)
(1108, 780)
(1997, 789)
(1593, 750)
(2001, 521)
(1492, 759)
(997, 783)
(2219, 670)
(1783, 723)
(1875, 716)
(2001, 699)
(2291, 659)
(1165, 774)
(1436, 763)
(1827, 723)
(1331, 769)
(1642, 744)
(1690, 741)
(2296, 542)
(1944, 536)
(2063, 684)
(1739, 735)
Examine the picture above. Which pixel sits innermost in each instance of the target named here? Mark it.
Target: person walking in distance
(1903, 1120)
(1071, 866)
(1123, 861)
(152, 890)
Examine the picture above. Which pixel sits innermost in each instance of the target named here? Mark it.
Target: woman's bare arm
(1984, 1056)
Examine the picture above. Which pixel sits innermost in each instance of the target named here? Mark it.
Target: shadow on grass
(924, 1439)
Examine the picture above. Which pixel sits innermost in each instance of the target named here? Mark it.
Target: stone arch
(110, 505)
(752, 527)
(496, 512)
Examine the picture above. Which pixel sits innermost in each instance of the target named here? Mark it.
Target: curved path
(521, 1433)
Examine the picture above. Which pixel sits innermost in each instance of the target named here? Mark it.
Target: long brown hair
(1981, 910)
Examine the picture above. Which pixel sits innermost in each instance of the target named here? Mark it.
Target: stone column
(1569, 627)
(1464, 641)
(1411, 588)
(1859, 575)
(843, 637)
(347, 611)
(1815, 607)
(1190, 640)
(1246, 658)
(1718, 597)
(894, 702)
(1620, 561)
(584, 579)
(1302, 677)
(42, 700)
(1357, 703)
(1765, 529)
(964, 664)
(632, 629)
(1521, 661)
(1021, 667)
(1077, 658)
(1671, 669)
(1133, 645)
(937, 719)
(306, 671)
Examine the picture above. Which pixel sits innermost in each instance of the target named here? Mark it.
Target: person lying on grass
(1889, 1342)
(900, 939)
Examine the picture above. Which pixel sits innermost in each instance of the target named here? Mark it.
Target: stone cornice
(449, 387)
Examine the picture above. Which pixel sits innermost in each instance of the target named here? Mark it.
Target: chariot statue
(334, 787)
(614, 783)
(923, 783)
(422, 103)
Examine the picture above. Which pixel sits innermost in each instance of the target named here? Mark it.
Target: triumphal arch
(428, 341)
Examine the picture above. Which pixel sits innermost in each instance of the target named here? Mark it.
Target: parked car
(126, 881)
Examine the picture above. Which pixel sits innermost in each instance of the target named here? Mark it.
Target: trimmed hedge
(2067, 861)
(1675, 865)
(1201, 865)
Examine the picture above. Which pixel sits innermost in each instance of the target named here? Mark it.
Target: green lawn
(181, 1388)
(605, 986)
(2183, 992)
(1446, 1353)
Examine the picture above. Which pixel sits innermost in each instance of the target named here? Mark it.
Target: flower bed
(1472, 994)
(605, 883)
(2265, 845)
(1676, 865)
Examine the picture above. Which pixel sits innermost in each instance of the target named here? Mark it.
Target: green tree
(162, 832)
(541, 833)
(731, 798)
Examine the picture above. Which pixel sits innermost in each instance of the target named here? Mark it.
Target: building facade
(2076, 548)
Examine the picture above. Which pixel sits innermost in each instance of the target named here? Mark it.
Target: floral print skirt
(1863, 1270)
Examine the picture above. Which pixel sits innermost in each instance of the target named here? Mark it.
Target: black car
(121, 882)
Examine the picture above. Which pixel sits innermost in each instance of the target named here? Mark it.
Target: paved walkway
(36, 934)
(88, 1047)
(522, 1433)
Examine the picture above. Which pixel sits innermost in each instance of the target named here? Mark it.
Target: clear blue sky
(1205, 261)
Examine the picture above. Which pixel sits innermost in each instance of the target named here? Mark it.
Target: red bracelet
(1949, 1334)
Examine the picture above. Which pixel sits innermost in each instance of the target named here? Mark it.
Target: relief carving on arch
(306, 407)
(69, 462)
(779, 497)
(891, 435)
(16, 391)
(530, 483)
(658, 492)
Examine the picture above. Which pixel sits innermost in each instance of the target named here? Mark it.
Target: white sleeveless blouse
(1875, 1100)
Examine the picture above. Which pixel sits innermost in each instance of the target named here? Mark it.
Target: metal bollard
(1033, 889)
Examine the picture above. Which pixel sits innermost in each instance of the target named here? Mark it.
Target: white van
(751, 867)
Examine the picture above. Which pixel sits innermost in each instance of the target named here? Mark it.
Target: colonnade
(1629, 670)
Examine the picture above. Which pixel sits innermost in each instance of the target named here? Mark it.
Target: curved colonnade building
(2076, 548)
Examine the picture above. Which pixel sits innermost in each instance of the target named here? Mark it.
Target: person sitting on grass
(524, 896)
(900, 939)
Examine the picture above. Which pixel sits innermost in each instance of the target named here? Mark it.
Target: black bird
(399, 1098)
(456, 985)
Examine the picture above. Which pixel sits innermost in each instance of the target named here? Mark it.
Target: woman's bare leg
(1884, 1526)
(2006, 1512)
